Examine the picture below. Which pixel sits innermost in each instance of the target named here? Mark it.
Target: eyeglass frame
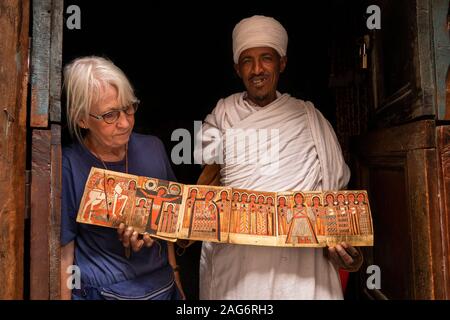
(134, 105)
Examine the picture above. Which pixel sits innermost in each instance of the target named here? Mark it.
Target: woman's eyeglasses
(112, 116)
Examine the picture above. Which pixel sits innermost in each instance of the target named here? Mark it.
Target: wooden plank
(14, 26)
(56, 60)
(40, 61)
(405, 82)
(443, 148)
(387, 186)
(442, 55)
(40, 213)
(416, 135)
(425, 224)
(55, 214)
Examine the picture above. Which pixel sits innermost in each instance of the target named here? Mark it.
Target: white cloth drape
(308, 158)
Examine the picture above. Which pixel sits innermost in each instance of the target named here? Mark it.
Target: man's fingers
(121, 230)
(350, 249)
(148, 241)
(334, 257)
(344, 255)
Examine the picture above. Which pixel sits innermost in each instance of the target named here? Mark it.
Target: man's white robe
(308, 157)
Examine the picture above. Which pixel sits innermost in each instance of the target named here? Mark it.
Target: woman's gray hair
(84, 79)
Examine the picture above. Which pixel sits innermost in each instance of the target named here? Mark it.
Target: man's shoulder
(308, 106)
(230, 100)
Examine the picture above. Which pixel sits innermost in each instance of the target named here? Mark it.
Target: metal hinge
(27, 194)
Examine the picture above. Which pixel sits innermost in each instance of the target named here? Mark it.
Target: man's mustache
(260, 76)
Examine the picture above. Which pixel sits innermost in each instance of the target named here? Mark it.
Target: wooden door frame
(417, 149)
(45, 132)
(14, 23)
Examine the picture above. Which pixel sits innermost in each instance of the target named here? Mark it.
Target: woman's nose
(124, 120)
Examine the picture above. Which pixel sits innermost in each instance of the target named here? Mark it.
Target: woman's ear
(82, 124)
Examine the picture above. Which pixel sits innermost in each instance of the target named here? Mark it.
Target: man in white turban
(308, 157)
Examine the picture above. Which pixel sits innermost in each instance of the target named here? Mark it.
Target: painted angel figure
(243, 223)
(283, 211)
(300, 228)
(262, 217)
(205, 217)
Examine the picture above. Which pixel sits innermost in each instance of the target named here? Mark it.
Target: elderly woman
(100, 110)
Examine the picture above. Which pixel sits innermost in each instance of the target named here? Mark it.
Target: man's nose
(257, 67)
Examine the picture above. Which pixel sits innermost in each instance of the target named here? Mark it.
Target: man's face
(259, 68)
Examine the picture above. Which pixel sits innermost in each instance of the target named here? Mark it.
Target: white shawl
(309, 158)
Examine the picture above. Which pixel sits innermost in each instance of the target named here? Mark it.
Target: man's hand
(129, 238)
(346, 257)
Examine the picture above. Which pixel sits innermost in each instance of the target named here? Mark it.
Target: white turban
(259, 31)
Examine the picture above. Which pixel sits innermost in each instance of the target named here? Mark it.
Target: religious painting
(170, 210)
(253, 217)
(107, 199)
(206, 213)
(164, 199)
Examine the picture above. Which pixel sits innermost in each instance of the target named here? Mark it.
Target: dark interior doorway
(178, 56)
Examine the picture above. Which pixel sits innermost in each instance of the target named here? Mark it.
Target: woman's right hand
(129, 238)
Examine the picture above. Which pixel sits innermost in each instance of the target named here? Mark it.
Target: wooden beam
(425, 224)
(55, 213)
(40, 62)
(443, 150)
(14, 26)
(40, 214)
(56, 60)
(416, 135)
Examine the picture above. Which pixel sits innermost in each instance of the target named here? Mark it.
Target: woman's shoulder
(147, 146)
(71, 152)
(140, 140)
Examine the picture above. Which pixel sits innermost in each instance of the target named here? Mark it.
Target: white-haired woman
(100, 113)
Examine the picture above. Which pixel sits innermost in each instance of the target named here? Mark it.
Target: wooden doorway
(397, 143)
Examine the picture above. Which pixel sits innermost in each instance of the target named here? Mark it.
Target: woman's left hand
(129, 238)
(346, 257)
